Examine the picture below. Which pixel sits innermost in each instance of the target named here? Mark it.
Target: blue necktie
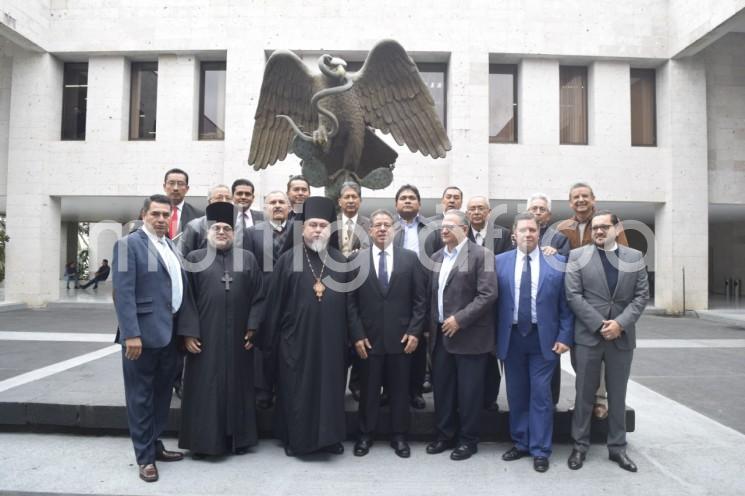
(524, 318)
(382, 272)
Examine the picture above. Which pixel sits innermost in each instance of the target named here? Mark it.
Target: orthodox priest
(221, 311)
(305, 336)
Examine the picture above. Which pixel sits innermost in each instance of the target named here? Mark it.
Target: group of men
(409, 302)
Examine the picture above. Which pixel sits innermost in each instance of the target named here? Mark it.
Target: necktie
(348, 237)
(173, 226)
(479, 239)
(383, 271)
(523, 310)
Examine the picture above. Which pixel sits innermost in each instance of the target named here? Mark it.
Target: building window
(435, 77)
(502, 103)
(143, 100)
(212, 101)
(573, 105)
(643, 108)
(74, 101)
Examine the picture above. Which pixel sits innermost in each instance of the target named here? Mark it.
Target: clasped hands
(194, 345)
(610, 330)
(362, 345)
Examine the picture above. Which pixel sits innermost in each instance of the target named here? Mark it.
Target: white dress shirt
(388, 259)
(479, 236)
(172, 264)
(535, 267)
(448, 261)
(246, 218)
(411, 234)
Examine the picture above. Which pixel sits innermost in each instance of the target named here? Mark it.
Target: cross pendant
(227, 279)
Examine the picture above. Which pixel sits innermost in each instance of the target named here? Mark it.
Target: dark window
(74, 101)
(143, 100)
(212, 101)
(573, 105)
(502, 103)
(435, 77)
(643, 112)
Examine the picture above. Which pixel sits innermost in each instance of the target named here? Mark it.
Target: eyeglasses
(225, 229)
(601, 227)
(450, 227)
(384, 225)
(538, 209)
(478, 208)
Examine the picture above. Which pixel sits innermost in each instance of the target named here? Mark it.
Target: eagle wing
(395, 100)
(287, 88)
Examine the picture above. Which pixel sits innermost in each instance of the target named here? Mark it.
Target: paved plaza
(686, 391)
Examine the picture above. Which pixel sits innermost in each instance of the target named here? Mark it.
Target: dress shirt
(479, 237)
(279, 225)
(388, 259)
(172, 264)
(535, 267)
(245, 217)
(448, 261)
(411, 234)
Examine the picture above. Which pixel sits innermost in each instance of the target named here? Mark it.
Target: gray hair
(381, 211)
(580, 185)
(462, 219)
(539, 196)
(213, 188)
(350, 185)
(277, 192)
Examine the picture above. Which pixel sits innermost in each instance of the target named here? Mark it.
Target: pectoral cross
(227, 280)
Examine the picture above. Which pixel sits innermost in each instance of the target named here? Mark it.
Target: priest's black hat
(319, 207)
(221, 212)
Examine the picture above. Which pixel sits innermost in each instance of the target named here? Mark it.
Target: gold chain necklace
(318, 286)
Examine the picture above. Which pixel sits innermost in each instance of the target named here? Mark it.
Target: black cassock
(218, 411)
(305, 343)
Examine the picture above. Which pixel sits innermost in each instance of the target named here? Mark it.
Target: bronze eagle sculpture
(328, 119)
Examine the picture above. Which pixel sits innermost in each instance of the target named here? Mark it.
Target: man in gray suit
(463, 289)
(607, 289)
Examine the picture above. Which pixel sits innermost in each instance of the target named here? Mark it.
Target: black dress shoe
(241, 451)
(463, 452)
(362, 446)
(417, 402)
(540, 464)
(149, 472)
(289, 451)
(334, 449)
(437, 447)
(513, 454)
(401, 448)
(623, 461)
(163, 455)
(198, 456)
(576, 459)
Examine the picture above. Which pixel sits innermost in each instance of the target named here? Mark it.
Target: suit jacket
(142, 291)
(432, 242)
(591, 301)
(498, 238)
(551, 237)
(383, 316)
(554, 318)
(570, 229)
(193, 236)
(188, 213)
(359, 241)
(470, 292)
(259, 237)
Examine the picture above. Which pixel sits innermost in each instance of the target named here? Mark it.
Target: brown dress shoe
(163, 455)
(149, 472)
(600, 411)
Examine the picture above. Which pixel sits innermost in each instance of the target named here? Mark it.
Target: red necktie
(173, 226)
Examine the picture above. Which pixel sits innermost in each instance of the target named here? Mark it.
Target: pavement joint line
(78, 337)
(56, 368)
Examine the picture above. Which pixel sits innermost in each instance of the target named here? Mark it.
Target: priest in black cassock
(222, 309)
(305, 337)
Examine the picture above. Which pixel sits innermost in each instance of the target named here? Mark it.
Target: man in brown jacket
(577, 230)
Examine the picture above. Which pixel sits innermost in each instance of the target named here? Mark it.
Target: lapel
(597, 264)
(543, 271)
(153, 250)
(373, 276)
(622, 274)
(460, 260)
(397, 269)
(511, 274)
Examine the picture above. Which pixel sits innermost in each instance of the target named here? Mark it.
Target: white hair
(213, 188)
(539, 196)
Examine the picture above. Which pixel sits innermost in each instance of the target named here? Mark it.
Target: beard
(318, 245)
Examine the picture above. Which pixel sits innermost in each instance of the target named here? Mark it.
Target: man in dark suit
(388, 311)
(552, 242)
(175, 186)
(265, 241)
(534, 327)
(414, 234)
(148, 291)
(463, 290)
(243, 197)
(607, 289)
(484, 231)
(194, 235)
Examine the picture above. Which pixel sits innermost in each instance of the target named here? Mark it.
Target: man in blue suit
(148, 290)
(534, 327)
